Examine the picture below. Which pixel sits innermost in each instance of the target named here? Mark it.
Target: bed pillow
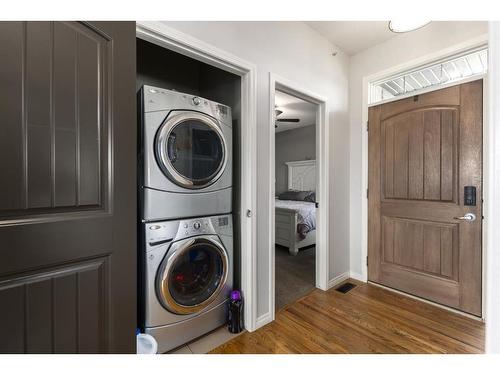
(311, 197)
(293, 195)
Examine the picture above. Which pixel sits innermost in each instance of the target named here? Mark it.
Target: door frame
(322, 177)
(487, 177)
(177, 41)
(493, 191)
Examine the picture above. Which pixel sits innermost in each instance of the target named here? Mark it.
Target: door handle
(467, 217)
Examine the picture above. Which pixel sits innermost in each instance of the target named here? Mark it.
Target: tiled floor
(206, 343)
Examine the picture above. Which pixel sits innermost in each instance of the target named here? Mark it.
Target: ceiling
(354, 36)
(294, 107)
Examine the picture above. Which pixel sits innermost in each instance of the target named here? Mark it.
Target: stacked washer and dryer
(185, 194)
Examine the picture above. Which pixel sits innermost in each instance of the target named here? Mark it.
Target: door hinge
(367, 125)
(366, 193)
(367, 261)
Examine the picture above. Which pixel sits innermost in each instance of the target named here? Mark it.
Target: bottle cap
(235, 295)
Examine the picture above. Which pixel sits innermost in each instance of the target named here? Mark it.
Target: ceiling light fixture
(406, 26)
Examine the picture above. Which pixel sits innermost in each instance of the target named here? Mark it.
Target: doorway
(305, 173)
(184, 44)
(295, 193)
(425, 196)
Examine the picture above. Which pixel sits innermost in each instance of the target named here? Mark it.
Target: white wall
(399, 51)
(296, 52)
(493, 193)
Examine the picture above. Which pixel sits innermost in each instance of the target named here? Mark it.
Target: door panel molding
(420, 162)
(60, 310)
(64, 136)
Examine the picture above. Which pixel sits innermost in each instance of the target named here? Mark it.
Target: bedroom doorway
(298, 205)
(295, 198)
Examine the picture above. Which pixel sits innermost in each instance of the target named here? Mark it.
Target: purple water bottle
(235, 314)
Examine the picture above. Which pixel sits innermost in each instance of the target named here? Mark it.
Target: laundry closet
(188, 192)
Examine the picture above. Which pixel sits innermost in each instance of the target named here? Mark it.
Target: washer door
(192, 275)
(191, 150)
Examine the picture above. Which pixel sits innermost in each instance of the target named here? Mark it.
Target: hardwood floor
(368, 319)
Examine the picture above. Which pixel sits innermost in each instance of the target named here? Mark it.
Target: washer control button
(196, 100)
(196, 225)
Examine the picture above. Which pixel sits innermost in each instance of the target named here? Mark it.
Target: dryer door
(191, 150)
(192, 275)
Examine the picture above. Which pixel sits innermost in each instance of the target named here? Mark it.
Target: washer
(185, 155)
(188, 278)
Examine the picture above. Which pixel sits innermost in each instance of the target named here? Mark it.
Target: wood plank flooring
(368, 319)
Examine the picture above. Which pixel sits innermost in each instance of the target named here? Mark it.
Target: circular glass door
(192, 275)
(191, 150)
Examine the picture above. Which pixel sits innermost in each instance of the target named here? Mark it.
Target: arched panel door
(425, 163)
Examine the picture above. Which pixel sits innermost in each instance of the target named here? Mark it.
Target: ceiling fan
(279, 112)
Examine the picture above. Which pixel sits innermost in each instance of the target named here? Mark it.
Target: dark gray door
(68, 195)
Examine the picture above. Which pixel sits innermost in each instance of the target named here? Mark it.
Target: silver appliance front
(192, 274)
(191, 150)
(193, 259)
(166, 205)
(174, 335)
(186, 156)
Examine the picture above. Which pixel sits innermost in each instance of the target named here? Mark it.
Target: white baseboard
(263, 320)
(338, 279)
(266, 318)
(357, 276)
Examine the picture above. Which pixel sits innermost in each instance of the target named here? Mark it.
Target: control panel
(160, 233)
(161, 99)
(195, 227)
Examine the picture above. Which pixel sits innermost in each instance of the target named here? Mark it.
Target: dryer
(185, 155)
(187, 278)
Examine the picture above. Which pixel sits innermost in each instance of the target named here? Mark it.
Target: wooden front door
(423, 153)
(68, 187)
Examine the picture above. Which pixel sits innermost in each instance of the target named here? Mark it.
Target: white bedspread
(306, 212)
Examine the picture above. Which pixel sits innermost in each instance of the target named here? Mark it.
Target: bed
(295, 221)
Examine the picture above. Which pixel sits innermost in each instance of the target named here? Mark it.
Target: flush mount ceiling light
(407, 25)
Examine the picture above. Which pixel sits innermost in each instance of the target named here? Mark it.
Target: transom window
(451, 69)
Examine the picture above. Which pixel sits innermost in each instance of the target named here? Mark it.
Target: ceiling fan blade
(287, 119)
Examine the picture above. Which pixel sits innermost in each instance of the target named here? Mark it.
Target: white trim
(429, 89)
(491, 234)
(458, 48)
(299, 163)
(264, 319)
(339, 279)
(452, 57)
(322, 178)
(167, 37)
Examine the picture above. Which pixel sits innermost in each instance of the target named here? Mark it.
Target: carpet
(295, 275)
